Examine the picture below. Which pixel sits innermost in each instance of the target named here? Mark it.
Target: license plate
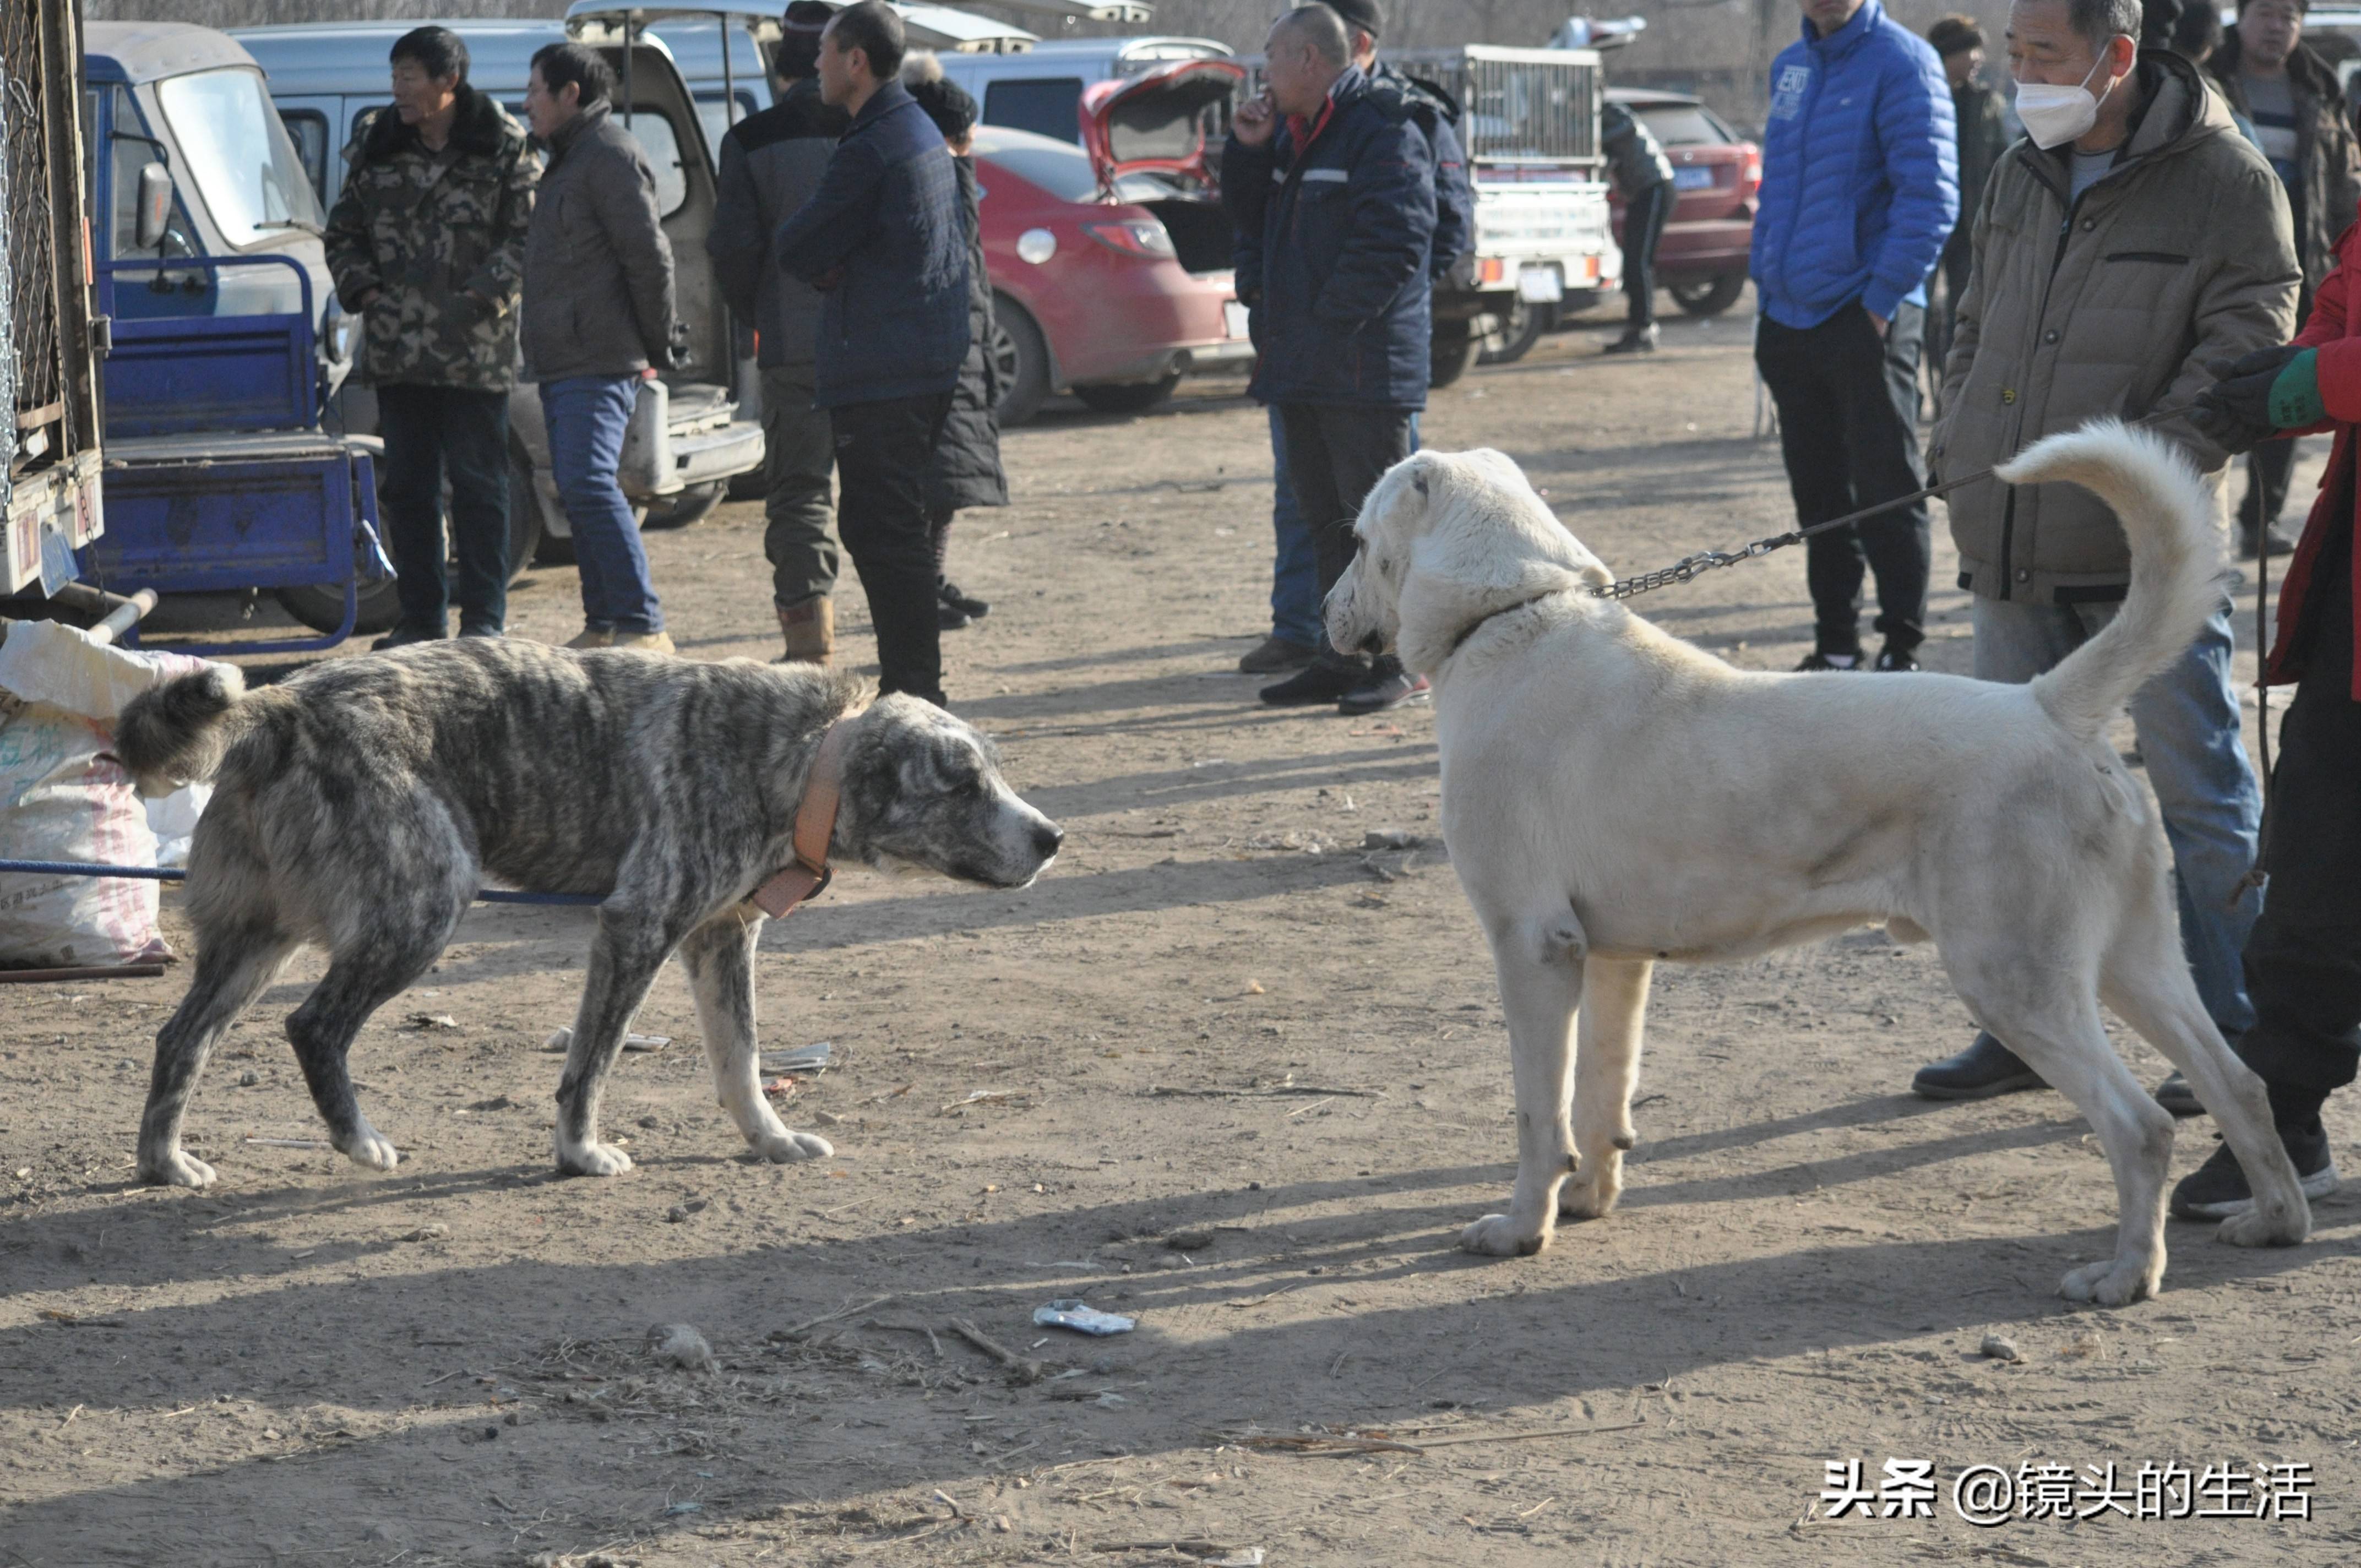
(1233, 318)
(1540, 286)
(1693, 178)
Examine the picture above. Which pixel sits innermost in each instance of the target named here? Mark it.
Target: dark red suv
(1702, 257)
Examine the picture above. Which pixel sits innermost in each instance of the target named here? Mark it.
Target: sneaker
(1895, 659)
(466, 631)
(1277, 654)
(2175, 1096)
(1639, 340)
(1315, 686)
(2217, 1190)
(949, 617)
(2280, 545)
(592, 637)
(403, 636)
(1388, 686)
(642, 641)
(1985, 1068)
(1817, 660)
(974, 608)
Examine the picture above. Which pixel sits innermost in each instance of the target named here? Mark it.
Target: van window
(1046, 106)
(709, 107)
(308, 129)
(129, 152)
(235, 152)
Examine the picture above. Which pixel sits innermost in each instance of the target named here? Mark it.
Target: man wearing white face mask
(2132, 241)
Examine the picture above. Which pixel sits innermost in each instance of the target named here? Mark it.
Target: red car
(1110, 262)
(1702, 257)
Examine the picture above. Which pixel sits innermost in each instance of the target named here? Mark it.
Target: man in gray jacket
(2119, 252)
(598, 318)
(771, 164)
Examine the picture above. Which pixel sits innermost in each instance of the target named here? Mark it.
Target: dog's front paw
(176, 1169)
(593, 1159)
(1497, 1235)
(370, 1149)
(789, 1146)
(2113, 1283)
(2266, 1225)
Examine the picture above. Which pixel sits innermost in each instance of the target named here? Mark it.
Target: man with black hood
(427, 248)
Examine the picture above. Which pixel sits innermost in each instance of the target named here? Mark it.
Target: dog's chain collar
(808, 875)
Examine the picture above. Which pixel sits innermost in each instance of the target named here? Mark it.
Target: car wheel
(1126, 398)
(1517, 333)
(1451, 351)
(1020, 362)
(691, 505)
(1708, 296)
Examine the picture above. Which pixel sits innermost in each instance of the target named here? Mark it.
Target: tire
(1518, 334)
(692, 505)
(1452, 351)
(321, 606)
(1131, 398)
(1020, 357)
(1708, 297)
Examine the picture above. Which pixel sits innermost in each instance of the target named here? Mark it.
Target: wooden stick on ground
(1023, 1369)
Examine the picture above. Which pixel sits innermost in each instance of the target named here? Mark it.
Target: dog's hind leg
(1540, 963)
(237, 961)
(2049, 1015)
(2146, 980)
(371, 963)
(719, 958)
(629, 949)
(1606, 1070)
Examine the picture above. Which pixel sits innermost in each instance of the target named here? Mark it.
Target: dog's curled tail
(176, 733)
(2167, 515)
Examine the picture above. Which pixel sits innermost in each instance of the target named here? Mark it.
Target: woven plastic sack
(64, 798)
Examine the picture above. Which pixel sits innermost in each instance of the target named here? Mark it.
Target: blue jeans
(1295, 607)
(2188, 720)
(588, 416)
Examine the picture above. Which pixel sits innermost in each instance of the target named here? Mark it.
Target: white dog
(1613, 797)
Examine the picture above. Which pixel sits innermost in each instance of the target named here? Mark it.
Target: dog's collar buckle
(808, 875)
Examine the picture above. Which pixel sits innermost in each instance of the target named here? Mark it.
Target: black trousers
(881, 453)
(1644, 225)
(1848, 431)
(2303, 958)
(2270, 470)
(1334, 457)
(431, 433)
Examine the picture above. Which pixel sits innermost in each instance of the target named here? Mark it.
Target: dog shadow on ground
(817, 1425)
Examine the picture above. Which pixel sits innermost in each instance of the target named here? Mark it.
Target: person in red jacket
(2303, 959)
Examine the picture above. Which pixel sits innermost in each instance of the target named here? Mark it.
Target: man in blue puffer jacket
(881, 238)
(1860, 191)
(1334, 211)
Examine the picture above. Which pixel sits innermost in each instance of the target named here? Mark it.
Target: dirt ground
(1218, 1014)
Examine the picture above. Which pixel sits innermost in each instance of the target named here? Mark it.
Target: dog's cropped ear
(1596, 576)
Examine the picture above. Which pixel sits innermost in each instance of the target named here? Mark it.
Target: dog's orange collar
(808, 875)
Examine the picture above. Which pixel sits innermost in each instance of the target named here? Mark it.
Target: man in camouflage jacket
(427, 245)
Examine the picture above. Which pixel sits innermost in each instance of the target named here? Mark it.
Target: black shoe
(1817, 660)
(2175, 1096)
(1315, 685)
(1894, 659)
(1637, 340)
(1985, 1068)
(1275, 656)
(2217, 1190)
(2279, 542)
(403, 636)
(1388, 686)
(467, 630)
(974, 608)
(949, 617)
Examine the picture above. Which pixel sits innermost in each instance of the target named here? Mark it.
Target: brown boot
(809, 629)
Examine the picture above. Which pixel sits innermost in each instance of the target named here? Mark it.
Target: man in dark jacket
(771, 164)
(2290, 96)
(1860, 194)
(1983, 119)
(427, 248)
(881, 238)
(598, 317)
(966, 469)
(1644, 177)
(1332, 187)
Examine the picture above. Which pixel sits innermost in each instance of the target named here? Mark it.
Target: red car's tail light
(1143, 238)
(1749, 177)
